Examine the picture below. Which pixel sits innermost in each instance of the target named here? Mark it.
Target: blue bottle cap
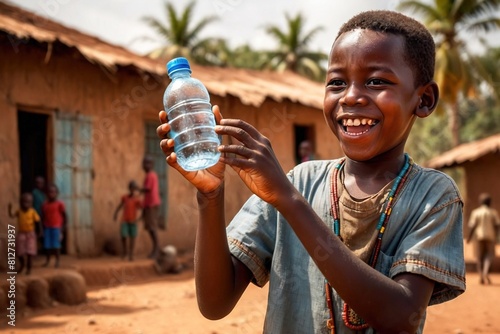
(178, 64)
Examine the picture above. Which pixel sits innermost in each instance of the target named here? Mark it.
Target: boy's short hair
(420, 50)
(53, 185)
(133, 185)
(485, 199)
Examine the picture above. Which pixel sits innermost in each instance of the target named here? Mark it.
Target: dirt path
(169, 306)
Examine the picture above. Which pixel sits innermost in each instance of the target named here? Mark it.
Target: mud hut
(83, 113)
(480, 161)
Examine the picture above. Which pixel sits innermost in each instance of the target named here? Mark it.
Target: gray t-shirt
(423, 236)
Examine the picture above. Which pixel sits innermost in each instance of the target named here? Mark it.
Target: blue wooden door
(73, 176)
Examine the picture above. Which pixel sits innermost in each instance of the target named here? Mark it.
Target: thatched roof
(466, 153)
(251, 87)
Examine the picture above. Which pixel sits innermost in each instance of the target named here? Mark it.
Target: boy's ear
(428, 99)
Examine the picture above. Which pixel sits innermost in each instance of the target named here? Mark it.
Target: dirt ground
(168, 305)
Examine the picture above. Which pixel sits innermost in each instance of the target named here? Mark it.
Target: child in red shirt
(130, 204)
(54, 222)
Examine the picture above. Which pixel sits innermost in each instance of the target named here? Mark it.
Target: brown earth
(134, 303)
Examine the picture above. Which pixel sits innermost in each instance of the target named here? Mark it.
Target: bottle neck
(180, 74)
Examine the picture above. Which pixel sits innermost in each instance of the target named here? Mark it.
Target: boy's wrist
(214, 194)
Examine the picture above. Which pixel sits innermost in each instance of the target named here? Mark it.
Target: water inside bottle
(192, 129)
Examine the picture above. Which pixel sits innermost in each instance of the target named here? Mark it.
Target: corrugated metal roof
(251, 87)
(466, 152)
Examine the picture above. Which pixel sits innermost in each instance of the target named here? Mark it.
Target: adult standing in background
(484, 226)
(151, 204)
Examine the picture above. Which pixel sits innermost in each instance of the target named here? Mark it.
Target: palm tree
(455, 68)
(179, 32)
(293, 53)
(244, 56)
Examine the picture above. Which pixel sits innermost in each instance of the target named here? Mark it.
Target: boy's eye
(376, 82)
(336, 84)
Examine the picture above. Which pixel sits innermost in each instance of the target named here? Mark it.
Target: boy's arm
(40, 228)
(65, 218)
(221, 279)
(146, 187)
(118, 208)
(38, 223)
(11, 214)
(365, 289)
(472, 227)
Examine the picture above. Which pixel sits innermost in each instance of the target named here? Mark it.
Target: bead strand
(349, 316)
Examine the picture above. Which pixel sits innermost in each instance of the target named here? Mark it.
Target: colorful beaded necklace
(349, 316)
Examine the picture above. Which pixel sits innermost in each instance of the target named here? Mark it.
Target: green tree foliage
(181, 35)
(292, 52)
(455, 68)
(480, 119)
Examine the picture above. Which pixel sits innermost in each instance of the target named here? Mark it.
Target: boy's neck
(365, 178)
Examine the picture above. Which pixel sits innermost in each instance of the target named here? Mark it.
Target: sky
(240, 21)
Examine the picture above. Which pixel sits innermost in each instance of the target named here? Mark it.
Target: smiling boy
(362, 243)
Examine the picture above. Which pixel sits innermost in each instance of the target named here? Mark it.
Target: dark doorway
(302, 133)
(32, 130)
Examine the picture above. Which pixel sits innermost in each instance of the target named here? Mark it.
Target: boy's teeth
(357, 121)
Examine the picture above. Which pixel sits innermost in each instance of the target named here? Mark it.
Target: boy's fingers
(163, 130)
(166, 146)
(217, 114)
(162, 116)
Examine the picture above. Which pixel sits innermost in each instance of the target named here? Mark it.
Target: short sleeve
(251, 236)
(62, 208)
(496, 218)
(472, 219)
(36, 217)
(434, 249)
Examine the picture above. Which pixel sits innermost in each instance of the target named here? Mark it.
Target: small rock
(92, 322)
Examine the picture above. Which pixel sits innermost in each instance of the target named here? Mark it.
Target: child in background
(130, 203)
(39, 196)
(151, 204)
(27, 220)
(360, 244)
(54, 223)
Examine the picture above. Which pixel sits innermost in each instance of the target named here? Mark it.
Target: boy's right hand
(207, 181)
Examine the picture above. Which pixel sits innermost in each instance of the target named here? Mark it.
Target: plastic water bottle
(191, 119)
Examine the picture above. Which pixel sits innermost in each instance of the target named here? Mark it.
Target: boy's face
(147, 165)
(133, 188)
(26, 201)
(52, 193)
(39, 183)
(370, 97)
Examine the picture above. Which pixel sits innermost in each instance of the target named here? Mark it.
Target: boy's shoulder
(312, 171)
(428, 180)
(315, 166)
